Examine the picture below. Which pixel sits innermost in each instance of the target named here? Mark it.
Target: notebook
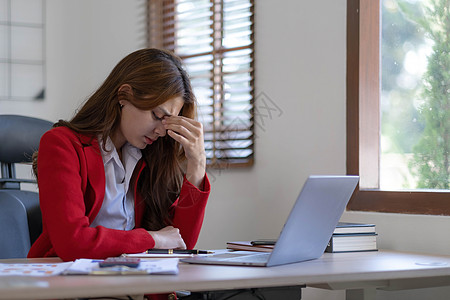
(307, 230)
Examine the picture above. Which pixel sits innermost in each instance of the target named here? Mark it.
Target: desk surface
(381, 269)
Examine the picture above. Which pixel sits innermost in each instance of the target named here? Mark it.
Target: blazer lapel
(95, 191)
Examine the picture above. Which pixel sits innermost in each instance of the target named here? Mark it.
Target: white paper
(167, 266)
(89, 266)
(33, 269)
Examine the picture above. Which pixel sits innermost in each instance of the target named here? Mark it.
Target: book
(247, 246)
(354, 228)
(352, 243)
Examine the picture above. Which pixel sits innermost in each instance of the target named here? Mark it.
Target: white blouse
(117, 211)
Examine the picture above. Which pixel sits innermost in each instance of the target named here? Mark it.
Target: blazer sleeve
(189, 210)
(61, 165)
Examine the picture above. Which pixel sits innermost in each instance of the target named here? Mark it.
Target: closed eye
(156, 117)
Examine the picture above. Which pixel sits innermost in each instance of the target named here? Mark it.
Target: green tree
(398, 114)
(431, 154)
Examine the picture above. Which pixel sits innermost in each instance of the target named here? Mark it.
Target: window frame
(363, 90)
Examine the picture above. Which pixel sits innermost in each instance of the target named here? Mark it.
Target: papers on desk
(33, 269)
(90, 267)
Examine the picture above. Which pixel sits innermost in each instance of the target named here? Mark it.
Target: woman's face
(142, 127)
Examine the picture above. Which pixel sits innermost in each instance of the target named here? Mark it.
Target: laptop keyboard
(254, 258)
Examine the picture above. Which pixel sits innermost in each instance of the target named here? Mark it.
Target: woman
(111, 179)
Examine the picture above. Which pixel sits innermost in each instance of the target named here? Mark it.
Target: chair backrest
(20, 216)
(14, 236)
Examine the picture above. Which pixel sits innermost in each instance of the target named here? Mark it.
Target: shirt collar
(111, 152)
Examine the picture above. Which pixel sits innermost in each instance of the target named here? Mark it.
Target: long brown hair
(155, 77)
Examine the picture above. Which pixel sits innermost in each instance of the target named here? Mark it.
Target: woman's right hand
(168, 238)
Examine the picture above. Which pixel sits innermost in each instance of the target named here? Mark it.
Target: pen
(177, 251)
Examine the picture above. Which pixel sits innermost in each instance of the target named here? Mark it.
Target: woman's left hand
(189, 133)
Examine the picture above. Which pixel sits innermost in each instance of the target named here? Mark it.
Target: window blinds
(215, 41)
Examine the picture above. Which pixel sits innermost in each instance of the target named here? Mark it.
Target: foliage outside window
(215, 41)
(413, 98)
(415, 93)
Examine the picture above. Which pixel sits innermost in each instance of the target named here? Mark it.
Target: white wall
(300, 66)
(303, 72)
(84, 40)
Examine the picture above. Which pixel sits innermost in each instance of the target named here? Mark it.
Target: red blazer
(71, 190)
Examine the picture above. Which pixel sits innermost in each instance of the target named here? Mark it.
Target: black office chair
(20, 215)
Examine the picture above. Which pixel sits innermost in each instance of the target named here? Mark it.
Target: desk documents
(90, 267)
(167, 266)
(33, 269)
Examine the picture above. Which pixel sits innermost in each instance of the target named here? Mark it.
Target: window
(215, 41)
(364, 122)
(415, 93)
(22, 51)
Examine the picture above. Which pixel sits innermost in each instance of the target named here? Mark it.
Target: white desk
(358, 273)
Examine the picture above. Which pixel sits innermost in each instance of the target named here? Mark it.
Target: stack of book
(351, 237)
(347, 237)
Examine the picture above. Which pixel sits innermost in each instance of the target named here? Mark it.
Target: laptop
(307, 230)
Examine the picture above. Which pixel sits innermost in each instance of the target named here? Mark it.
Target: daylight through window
(415, 94)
